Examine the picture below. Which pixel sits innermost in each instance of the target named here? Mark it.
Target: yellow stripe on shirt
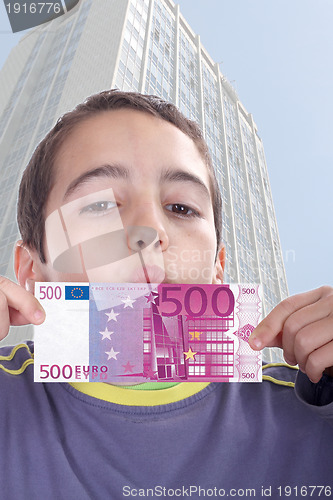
(10, 356)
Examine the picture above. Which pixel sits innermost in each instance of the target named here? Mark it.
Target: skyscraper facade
(147, 46)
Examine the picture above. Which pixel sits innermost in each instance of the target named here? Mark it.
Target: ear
(26, 266)
(219, 266)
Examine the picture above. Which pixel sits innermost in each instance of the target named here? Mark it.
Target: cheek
(191, 258)
(203, 240)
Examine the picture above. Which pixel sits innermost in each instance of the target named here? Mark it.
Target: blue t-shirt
(192, 440)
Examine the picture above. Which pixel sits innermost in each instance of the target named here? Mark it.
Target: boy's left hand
(302, 325)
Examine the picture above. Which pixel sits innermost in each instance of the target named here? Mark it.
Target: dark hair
(38, 177)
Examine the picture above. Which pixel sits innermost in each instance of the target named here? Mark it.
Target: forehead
(126, 135)
(141, 142)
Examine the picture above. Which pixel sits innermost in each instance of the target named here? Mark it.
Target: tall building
(143, 45)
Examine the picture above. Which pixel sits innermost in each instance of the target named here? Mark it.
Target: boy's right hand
(17, 307)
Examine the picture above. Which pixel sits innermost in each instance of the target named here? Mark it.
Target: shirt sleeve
(318, 397)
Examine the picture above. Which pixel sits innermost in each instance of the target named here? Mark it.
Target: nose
(140, 237)
(147, 228)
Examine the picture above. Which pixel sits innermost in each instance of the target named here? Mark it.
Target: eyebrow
(170, 175)
(112, 171)
(121, 172)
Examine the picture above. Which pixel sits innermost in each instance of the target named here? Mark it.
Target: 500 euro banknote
(129, 333)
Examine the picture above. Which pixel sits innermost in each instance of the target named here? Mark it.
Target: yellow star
(195, 335)
(190, 354)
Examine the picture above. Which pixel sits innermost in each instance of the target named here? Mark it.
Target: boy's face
(126, 172)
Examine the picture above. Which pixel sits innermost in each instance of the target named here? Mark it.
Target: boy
(100, 441)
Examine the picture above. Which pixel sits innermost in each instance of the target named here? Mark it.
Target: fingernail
(39, 315)
(256, 343)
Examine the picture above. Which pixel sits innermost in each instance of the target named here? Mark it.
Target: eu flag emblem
(76, 292)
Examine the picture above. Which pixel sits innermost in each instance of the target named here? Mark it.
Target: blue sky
(278, 55)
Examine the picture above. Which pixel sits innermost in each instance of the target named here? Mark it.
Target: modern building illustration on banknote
(199, 346)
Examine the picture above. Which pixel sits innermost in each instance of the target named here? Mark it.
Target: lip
(155, 275)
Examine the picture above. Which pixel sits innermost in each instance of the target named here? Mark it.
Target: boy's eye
(100, 207)
(180, 209)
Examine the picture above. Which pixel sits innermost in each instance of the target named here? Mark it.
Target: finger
(266, 333)
(319, 360)
(4, 317)
(311, 338)
(299, 320)
(16, 318)
(22, 301)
